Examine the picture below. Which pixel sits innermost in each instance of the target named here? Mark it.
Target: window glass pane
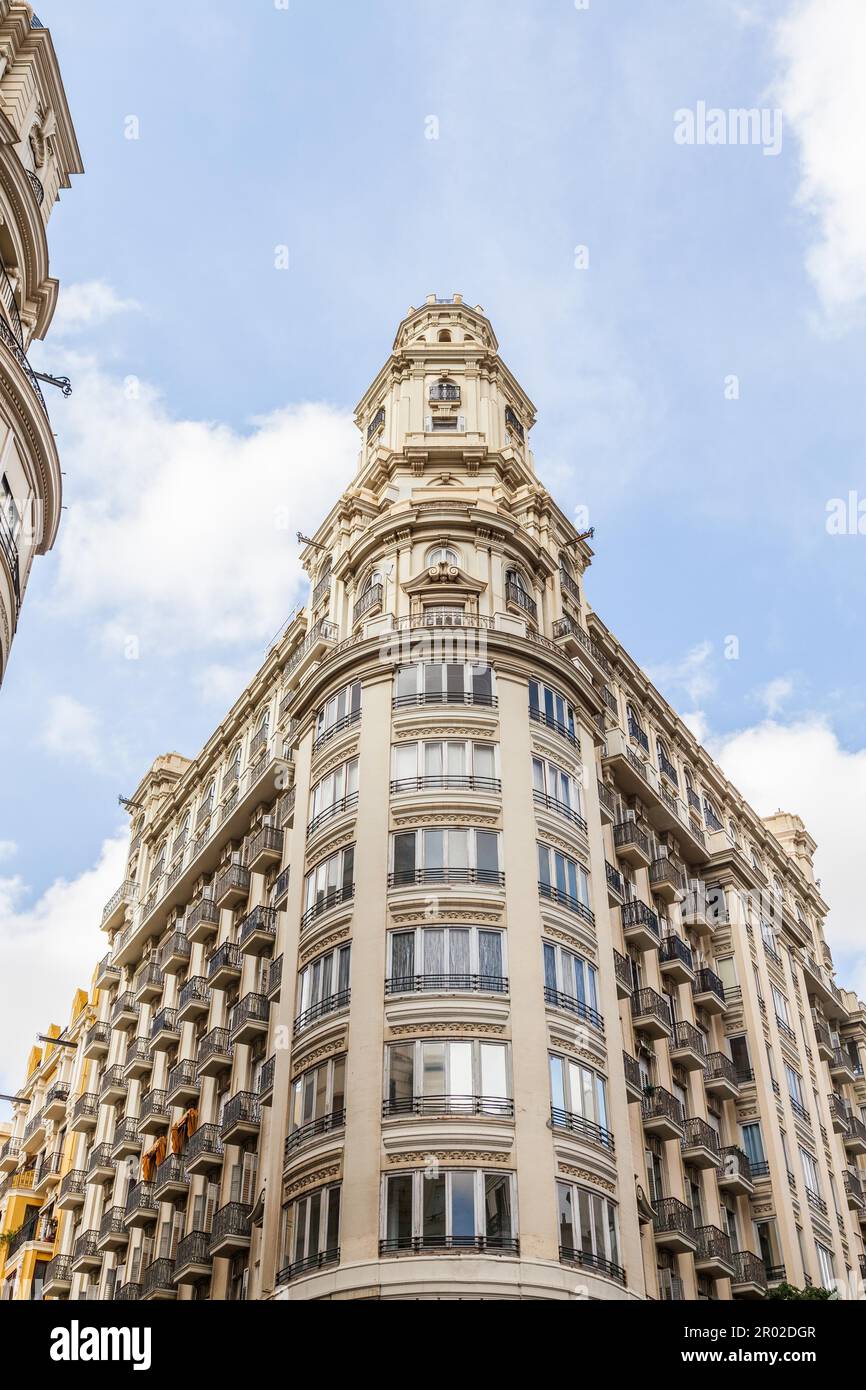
(433, 760)
(332, 1234)
(557, 1084)
(434, 849)
(458, 951)
(566, 1216)
(434, 951)
(463, 1205)
(538, 774)
(497, 1206)
(543, 865)
(403, 955)
(550, 966)
(455, 677)
(433, 1207)
(433, 1054)
(482, 684)
(483, 760)
(494, 1081)
(490, 954)
(585, 1211)
(398, 1217)
(487, 852)
(458, 848)
(407, 681)
(343, 968)
(456, 759)
(338, 1086)
(405, 761)
(460, 1059)
(401, 1071)
(404, 857)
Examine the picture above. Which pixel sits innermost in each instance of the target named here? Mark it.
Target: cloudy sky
(688, 318)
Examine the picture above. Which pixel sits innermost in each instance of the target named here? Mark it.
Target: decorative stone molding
(584, 1175)
(447, 1157)
(320, 1177)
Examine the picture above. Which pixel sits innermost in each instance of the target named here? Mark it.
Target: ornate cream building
(452, 966)
(38, 153)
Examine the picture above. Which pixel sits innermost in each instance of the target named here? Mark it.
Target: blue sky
(213, 390)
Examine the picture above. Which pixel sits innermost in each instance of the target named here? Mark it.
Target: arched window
(711, 815)
(444, 335)
(665, 761)
(442, 555)
(635, 728)
(732, 831)
(444, 390)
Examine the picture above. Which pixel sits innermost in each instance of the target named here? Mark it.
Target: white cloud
(822, 48)
(49, 949)
(71, 731)
(219, 684)
(87, 305)
(182, 532)
(774, 694)
(691, 674)
(801, 767)
(8, 849)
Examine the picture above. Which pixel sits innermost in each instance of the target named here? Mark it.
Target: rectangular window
(444, 764)
(826, 1265)
(753, 1144)
(330, 882)
(571, 983)
(564, 880)
(448, 1078)
(334, 793)
(450, 855)
(318, 1099)
(459, 1208)
(444, 683)
(557, 789)
(588, 1229)
(342, 709)
(547, 706)
(446, 958)
(578, 1098)
(312, 1230)
(323, 986)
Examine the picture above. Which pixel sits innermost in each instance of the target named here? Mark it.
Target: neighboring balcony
(171, 1183)
(125, 1011)
(141, 1208)
(164, 1031)
(631, 844)
(520, 599)
(114, 911)
(586, 1130)
(735, 1174)
(157, 1282)
(241, 1118)
(127, 1139)
(202, 921)
(194, 1000)
(149, 983)
(9, 1156)
(675, 961)
(204, 1151)
(113, 1234)
(193, 1260)
(230, 1231)
(418, 1245)
(85, 1113)
(826, 1050)
(85, 1252)
(749, 1279)
(542, 799)
(562, 899)
(107, 973)
(700, 1144)
(139, 1061)
(714, 1256)
(101, 1167)
(332, 897)
(720, 1077)
(175, 954)
(214, 1054)
(114, 1086)
(258, 932)
(634, 1083)
(183, 1086)
(855, 1138)
(71, 1194)
(640, 925)
(688, 1047)
(274, 979)
(662, 1114)
(224, 966)
(674, 1226)
(838, 1113)
(854, 1192)
(266, 848)
(54, 1108)
(842, 1066)
(47, 1173)
(154, 1113)
(650, 1013)
(666, 880)
(249, 1018)
(232, 886)
(57, 1279)
(709, 992)
(96, 1041)
(266, 1081)
(624, 975)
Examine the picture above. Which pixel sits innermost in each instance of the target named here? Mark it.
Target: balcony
(139, 1062)
(101, 1167)
(634, 1083)
(175, 954)
(411, 1245)
(233, 886)
(548, 893)
(266, 848)
(141, 1209)
(114, 911)
(624, 976)
(666, 880)
(750, 1276)
(96, 1041)
(838, 1114)
(714, 1256)
(85, 1113)
(157, 1282)
(85, 1252)
(675, 961)
(202, 921)
(640, 925)
(258, 932)
(9, 1156)
(230, 1232)
(249, 1018)
(57, 1279)
(446, 984)
(113, 1235)
(164, 1031)
(325, 1124)
(171, 1183)
(700, 1144)
(128, 1293)
(266, 1081)
(281, 887)
(320, 639)
(193, 1261)
(673, 1225)
(194, 1000)
(709, 992)
(148, 983)
(583, 1259)
(273, 979)
(697, 913)
(569, 587)
(720, 1077)
(664, 810)
(204, 1151)
(214, 1052)
(34, 1134)
(183, 1086)
(631, 844)
(127, 1139)
(47, 1173)
(662, 1114)
(154, 1113)
(71, 1194)
(125, 1011)
(241, 1118)
(334, 1003)
(570, 1004)
(615, 885)
(826, 1050)
(114, 1086)
(224, 966)
(54, 1108)
(586, 1130)
(688, 1047)
(855, 1139)
(520, 599)
(854, 1192)
(606, 803)
(842, 1066)
(650, 1013)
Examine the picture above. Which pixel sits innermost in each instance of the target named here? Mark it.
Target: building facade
(38, 153)
(452, 966)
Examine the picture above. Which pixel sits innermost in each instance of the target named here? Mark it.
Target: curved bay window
(571, 983)
(548, 707)
(332, 794)
(341, 710)
(323, 987)
(444, 765)
(578, 1100)
(424, 1077)
(452, 854)
(329, 883)
(588, 1230)
(517, 592)
(311, 1233)
(444, 683)
(446, 958)
(457, 1209)
(564, 881)
(557, 790)
(318, 1102)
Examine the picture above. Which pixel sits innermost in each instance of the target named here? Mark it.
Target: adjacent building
(452, 966)
(38, 153)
